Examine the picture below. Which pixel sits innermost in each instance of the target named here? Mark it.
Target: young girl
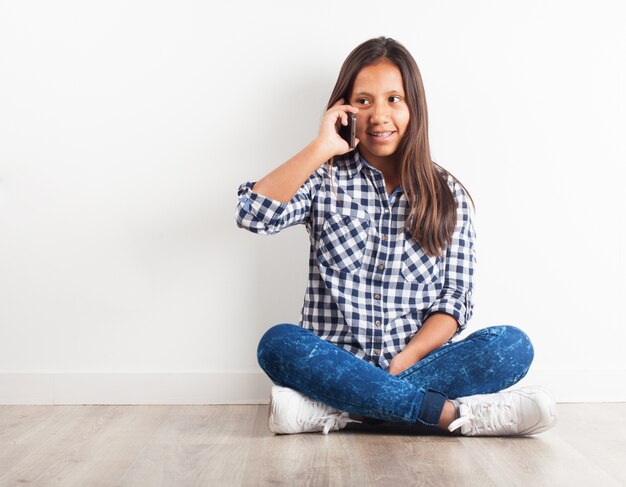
(390, 275)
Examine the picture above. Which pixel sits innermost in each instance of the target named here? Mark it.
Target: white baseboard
(244, 387)
(135, 388)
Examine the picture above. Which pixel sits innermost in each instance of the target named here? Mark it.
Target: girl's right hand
(328, 136)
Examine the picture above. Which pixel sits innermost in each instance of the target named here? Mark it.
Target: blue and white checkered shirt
(370, 285)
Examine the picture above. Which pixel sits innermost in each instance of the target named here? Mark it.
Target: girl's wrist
(415, 351)
(323, 148)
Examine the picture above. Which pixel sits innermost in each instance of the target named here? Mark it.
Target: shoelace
(336, 421)
(330, 421)
(487, 417)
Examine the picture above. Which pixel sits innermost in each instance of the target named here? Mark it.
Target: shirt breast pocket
(343, 240)
(417, 266)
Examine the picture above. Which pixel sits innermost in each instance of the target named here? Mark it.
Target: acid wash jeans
(486, 361)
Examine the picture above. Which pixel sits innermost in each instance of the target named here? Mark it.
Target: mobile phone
(348, 132)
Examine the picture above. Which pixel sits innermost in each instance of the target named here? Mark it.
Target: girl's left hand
(401, 362)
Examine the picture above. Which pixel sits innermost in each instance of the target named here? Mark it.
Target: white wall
(126, 127)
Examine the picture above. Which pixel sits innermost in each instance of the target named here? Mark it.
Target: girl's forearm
(283, 182)
(435, 331)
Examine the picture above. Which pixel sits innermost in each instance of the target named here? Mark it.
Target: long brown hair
(432, 206)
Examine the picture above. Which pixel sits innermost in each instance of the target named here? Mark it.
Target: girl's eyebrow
(369, 94)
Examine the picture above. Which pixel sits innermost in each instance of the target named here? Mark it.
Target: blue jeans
(486, 361)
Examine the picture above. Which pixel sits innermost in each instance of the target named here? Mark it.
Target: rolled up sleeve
(459, 262)
(265, 216)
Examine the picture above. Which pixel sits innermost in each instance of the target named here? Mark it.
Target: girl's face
(383, 117)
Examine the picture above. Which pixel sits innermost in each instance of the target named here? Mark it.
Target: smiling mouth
(381, 134)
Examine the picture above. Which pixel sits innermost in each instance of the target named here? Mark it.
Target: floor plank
(122, 446)
(196, 445)
(79, 445)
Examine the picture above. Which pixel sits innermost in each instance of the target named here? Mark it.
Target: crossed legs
(487, 361)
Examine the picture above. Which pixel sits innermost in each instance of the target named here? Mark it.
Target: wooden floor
(186, 446)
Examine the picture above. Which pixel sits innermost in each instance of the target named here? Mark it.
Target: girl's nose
(379, 114)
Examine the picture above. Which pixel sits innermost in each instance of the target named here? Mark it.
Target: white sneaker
(292, 412)
(525, 411)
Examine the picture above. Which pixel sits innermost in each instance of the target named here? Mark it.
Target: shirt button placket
(379, 284)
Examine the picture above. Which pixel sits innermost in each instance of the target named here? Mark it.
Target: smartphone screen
(348, 132)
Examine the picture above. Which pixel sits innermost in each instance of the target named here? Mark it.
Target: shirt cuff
(260, 207)
(460, 308)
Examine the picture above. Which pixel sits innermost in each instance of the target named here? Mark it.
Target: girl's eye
(394, 99)
(362, 101)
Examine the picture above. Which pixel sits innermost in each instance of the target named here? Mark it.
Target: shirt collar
(353, 163)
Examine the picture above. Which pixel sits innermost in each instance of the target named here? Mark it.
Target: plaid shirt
(370, 285)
